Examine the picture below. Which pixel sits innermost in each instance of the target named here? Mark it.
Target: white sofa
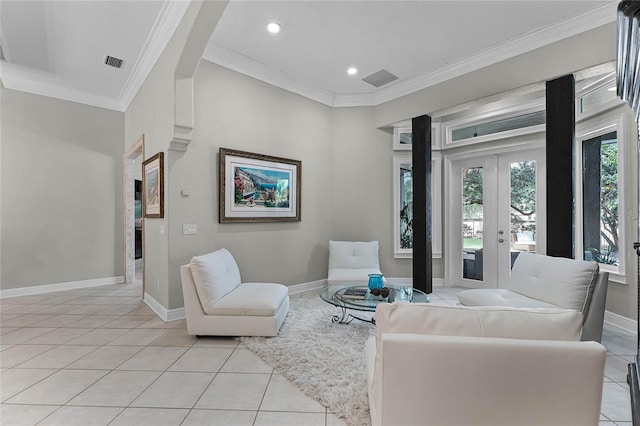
(217, 303)
(539, 281)
(351, 262)
(458, 365)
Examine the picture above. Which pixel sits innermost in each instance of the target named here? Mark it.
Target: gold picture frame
(153, 186)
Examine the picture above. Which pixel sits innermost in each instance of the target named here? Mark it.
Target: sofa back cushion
(215, 274)
(567, 283)
(478, 321)
(353, 255)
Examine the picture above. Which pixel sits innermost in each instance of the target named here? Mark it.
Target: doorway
(133, 223)
(497, 211)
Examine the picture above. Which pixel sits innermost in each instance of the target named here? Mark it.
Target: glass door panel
(472, 223)
(522, 204)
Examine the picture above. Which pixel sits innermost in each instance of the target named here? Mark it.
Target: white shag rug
(324, 360)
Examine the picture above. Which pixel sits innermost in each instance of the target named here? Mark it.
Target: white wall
(61, 191)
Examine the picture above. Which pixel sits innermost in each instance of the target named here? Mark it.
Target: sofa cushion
(567, 283)
(353, 255)
(499, 297)
(251, 299)
(478, 321)
(214, 274)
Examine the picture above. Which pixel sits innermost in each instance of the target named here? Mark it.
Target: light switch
(189, 229)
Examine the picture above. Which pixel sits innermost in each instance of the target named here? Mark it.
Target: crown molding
(27, 80)
(587, 21)
(526, 43)
(163, 28)
(249, 66)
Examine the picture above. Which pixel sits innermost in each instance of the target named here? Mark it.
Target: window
(499, 126)
(606, 212)
(403, 205)
(490, 126)
(601, 223)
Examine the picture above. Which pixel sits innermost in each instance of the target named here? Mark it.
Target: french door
(496, 210)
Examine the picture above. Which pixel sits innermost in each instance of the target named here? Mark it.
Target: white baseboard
(624, 323)
(166, 315)
(305, 287)
(49, 288)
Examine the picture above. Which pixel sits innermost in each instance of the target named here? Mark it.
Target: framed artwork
(153, 186)
(258, 188)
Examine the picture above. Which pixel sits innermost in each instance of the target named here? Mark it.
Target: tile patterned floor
(99, 356)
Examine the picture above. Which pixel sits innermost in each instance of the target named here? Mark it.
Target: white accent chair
(539, 281)
(493, 366)
(351, 262)
(216, 303)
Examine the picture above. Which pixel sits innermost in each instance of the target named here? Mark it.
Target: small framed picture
(153, 186)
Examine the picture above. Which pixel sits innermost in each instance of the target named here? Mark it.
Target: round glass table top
(367, 301)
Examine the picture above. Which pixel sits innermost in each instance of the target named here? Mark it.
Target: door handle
(501, 240)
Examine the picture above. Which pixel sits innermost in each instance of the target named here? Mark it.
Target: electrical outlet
(189, 229)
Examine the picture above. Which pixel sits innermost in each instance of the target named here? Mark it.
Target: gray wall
(61, 192)
(363, 185)
(239, 112)
(151, 113)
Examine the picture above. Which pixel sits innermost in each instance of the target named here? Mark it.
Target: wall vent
(112, 61)
(380, 78)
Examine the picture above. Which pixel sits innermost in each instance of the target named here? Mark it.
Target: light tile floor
(100, 356)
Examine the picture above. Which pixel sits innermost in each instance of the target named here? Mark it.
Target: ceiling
(58, 48)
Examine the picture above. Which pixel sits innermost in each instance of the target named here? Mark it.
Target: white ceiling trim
(531, 41)
(25, 79)
(249, 66)
(163, 28)
(28, 80)
(534, 40)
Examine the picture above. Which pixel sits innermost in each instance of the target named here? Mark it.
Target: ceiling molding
(163, 28)
(526, 43)
(28, 80)
(531, 41)
(249, 66)
(24, 79)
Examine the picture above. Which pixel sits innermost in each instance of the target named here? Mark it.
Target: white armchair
(217, 304)
(351, 262)
(539, 281)
(458, 365)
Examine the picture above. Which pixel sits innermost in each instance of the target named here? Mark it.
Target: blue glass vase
(375, 281)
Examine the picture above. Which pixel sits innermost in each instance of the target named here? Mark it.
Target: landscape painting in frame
(153, 186)
(258, 188)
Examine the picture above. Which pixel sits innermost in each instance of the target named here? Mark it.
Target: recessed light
(273, 28)
(352, 71)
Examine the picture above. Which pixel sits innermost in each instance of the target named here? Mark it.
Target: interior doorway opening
(134, 223)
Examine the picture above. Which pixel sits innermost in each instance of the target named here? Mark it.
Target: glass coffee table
(397, 293)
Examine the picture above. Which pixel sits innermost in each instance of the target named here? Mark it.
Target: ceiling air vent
(380, 78)
(112, 61)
